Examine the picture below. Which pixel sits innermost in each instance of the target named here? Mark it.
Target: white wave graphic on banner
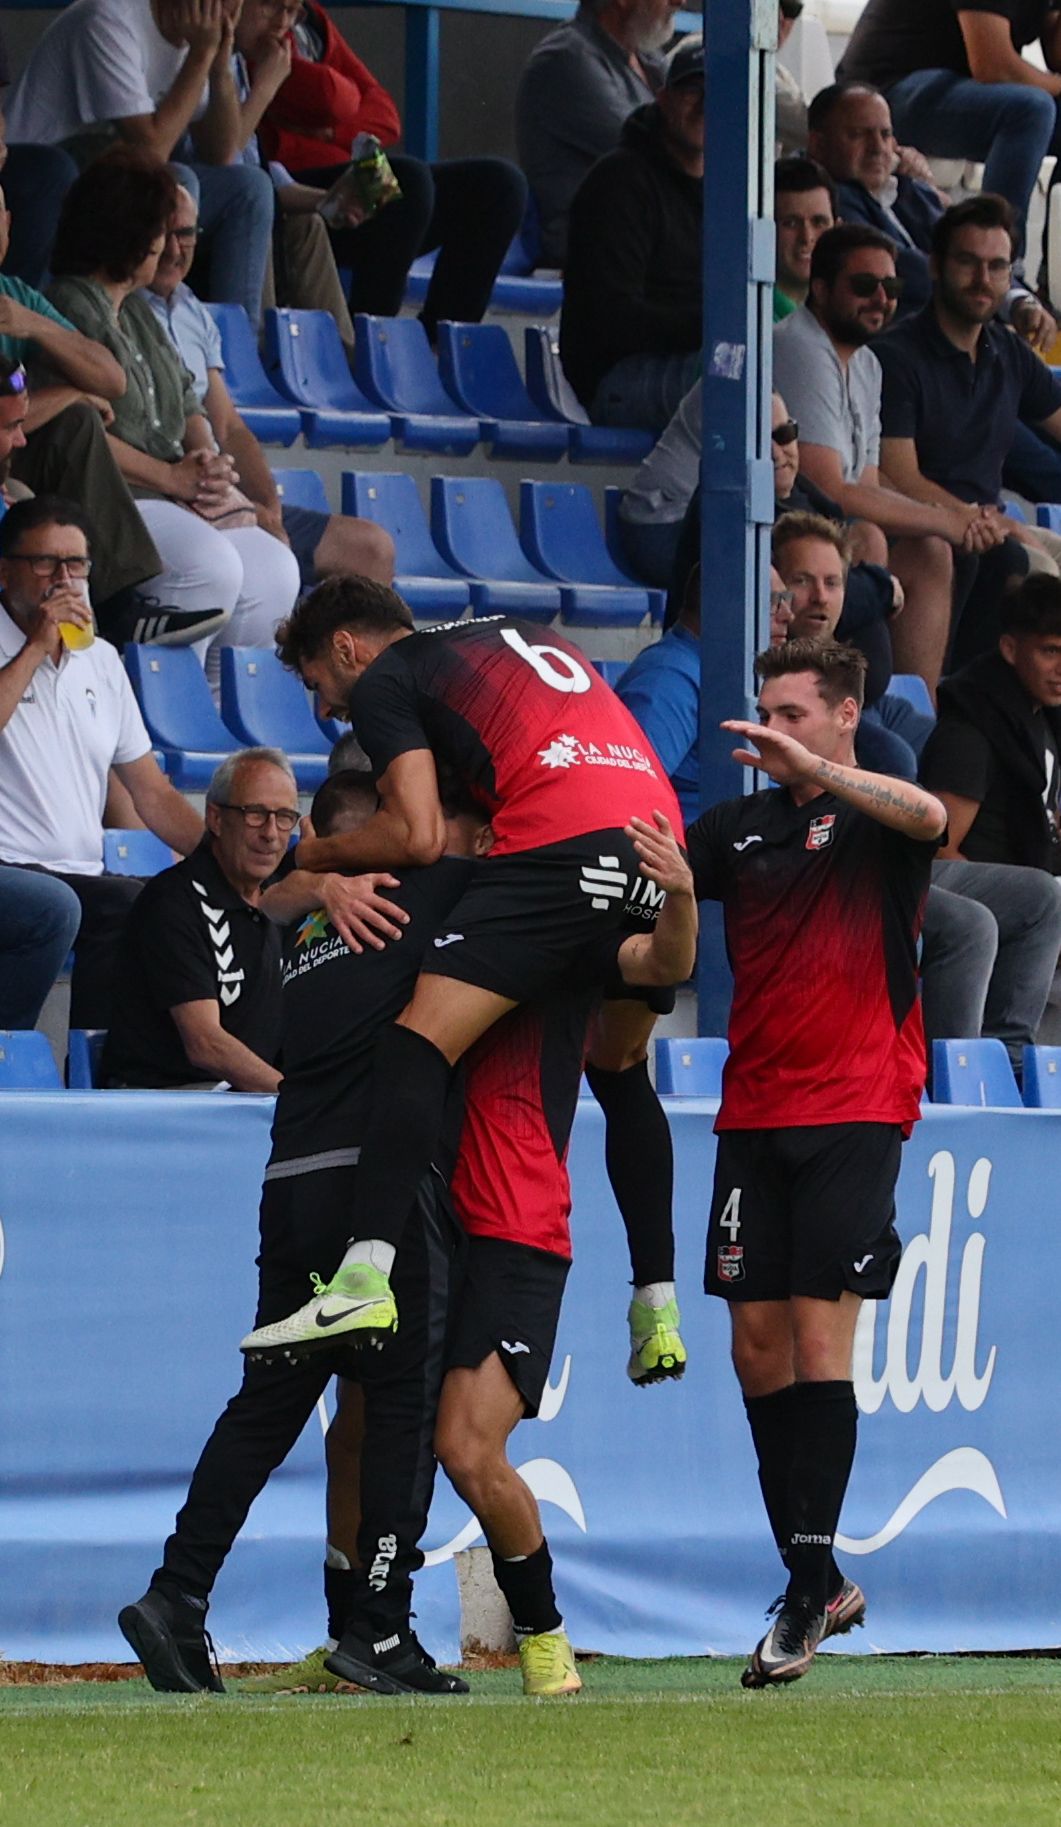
(964, 1469)
(549, 1483)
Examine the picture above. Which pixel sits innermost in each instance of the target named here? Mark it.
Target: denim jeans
(644, 390)
(36, 179)
(39, 918)
(236, 230)
(1009, 126)
(992, 936)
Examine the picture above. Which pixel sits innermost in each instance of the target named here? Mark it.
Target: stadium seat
(268, 415)
(973, 1072)
(1048, 514)
(396, 369)
(552, 393)
(561, 534)
(430, 586)
(478, 369)
(179, 712)
(306, 352)
(690, 1068)
(265, 706)
(611, 671)
(473, 530)
(84, 1051)
(517, 286)
(302, 488)
(912, 687)
(27, 1062)
(135, 853)
(1042, 1078)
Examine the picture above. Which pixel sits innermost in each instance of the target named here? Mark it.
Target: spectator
(37, 179)
(66, 718)
(804, 207)
(325, 545)
(630, 327)
(198, 997)
(832, 382)
(156, 74)
(39, 918)
(956, 384)
(578, 86)
(790, 107)
(469, 209)
(958, 86)
(111, 235)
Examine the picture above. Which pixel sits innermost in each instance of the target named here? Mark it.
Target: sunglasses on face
(865, 284)
(785, 433)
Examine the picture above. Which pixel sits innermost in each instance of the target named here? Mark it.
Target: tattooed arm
(900, 804)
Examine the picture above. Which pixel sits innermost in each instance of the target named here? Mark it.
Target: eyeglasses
(865, 284)
(184, 235)
(971, 263)
(46, 564)
(785, 433)
(791, 9)
(257, 817)
(15, 382)
(782, 599)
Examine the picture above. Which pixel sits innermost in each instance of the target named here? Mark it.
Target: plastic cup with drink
(75, 637)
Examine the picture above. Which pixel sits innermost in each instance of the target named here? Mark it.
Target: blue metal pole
(421, 81)
(736, 475)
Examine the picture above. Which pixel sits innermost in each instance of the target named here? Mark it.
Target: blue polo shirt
(961, 413)
(662, 690)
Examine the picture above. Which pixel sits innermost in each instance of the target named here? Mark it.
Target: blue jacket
(662, 690)
(918, 208)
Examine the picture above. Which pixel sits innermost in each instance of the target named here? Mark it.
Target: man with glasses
(67, 718)
(197, 1000)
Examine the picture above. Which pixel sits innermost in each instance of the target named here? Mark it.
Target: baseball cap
(686, 62)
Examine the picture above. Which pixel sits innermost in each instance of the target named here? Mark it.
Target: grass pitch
(870, 1742)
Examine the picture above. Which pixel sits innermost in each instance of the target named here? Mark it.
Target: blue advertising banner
(127, 1238)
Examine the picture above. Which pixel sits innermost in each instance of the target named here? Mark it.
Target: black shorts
(660, 1001)
(510, 1303)
(804, 1211)
(525, 921)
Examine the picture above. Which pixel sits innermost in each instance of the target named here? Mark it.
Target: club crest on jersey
(820, 831)
(731, 1262)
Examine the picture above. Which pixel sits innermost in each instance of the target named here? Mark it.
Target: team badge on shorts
(820, 831)
(731, 1262)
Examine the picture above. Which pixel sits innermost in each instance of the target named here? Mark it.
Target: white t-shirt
(72, 723)
(100, 60)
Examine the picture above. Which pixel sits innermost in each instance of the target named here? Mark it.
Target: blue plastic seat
(84, 1052)
(611, 671)
(27, 1062)
(478, 369)
(265, 706)
(268, 415)
(135, 853)
(473, 530)
(561, 534)
(302, 488)
(395, 367)
(430, 586)
(912, 687)
(1042, 1078)
(973, 1072)
(1048, 514)
(554, 395)
(691, 1068)
(306, 352)
(517, 286)
(179, 712)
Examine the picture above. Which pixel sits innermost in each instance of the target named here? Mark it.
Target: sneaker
(843, 1612)
(397, 1665)
(787, 1650)
(171, 1641)
(306, 1677)
(547, 1663)
(656, 1349)
(154, 624)
(356, 1306)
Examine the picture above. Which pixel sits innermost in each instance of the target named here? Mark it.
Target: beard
(652, 32)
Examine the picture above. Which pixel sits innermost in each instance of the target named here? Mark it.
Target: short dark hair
(347, 790)
(339, 602)
(800, 523)
(984, 211)
(348, 753)
(824, 105)
(841, 669)
(831, 250)
(112, 214)
(1034, 607)
(41, 511)
(799, 173)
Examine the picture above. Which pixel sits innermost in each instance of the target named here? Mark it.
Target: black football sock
(341, 1589)
(410, 1081)
(527, 1586)
(825, 1428)
(639, 1156)
(771, 1419)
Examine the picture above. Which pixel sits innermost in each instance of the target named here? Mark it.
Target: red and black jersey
(823, 909)
(528, 725)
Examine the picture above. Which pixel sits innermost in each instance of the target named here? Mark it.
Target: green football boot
(656, 1349)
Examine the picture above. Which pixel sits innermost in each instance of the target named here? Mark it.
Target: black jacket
(986, 746)
(632, 283)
